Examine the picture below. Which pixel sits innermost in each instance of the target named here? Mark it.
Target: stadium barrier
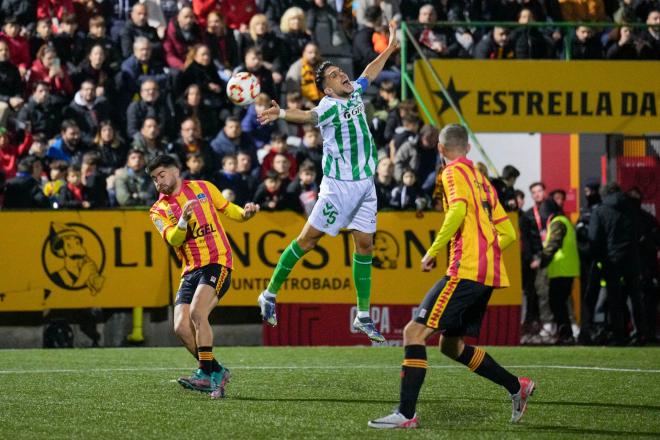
(115, 259)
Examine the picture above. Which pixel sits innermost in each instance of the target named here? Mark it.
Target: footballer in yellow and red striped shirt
(187, 215)
(477, 230)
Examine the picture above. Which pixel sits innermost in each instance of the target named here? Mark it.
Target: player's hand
(269, 115)
(393, 43)
(428, 263)
(249, 210)
(187, 211)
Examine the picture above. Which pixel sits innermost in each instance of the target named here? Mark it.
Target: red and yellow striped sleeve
(229, 209)
(456, 189)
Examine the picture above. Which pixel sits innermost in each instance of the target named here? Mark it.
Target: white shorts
(349, 204)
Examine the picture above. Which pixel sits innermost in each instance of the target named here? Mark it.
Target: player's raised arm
(274, 113)
(374, 68)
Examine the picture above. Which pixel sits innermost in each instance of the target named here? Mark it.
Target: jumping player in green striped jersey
(347, 197)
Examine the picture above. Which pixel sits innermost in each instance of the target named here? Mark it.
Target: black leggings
(560, 290)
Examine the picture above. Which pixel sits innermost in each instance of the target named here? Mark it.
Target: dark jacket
(208, 117)
(626, 52)
(384, 193)
(224, 50)
(112, 53)
(24, 192)
(93, 192)
(295, 44)
(112, 158)
(264, 76)
(262, 198)
(363, 49)
(234, 182)
(88, 119)
(272, 47)
(532, 235)
(131, 76)
(138, 111)
(103, 77)
(23, 11)
(486, 49)
(10, 82)
(614, 230)
(589, 50)
(131, 31)
(202, 76)
(529, 43)
(649, 46)
(45, 118)
(405, 197)
(222, 146)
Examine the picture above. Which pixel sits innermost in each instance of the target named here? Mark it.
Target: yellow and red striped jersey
(474, 251)
(206, 241)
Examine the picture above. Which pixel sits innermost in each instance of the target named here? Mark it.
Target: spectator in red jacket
(54, 9)
(10, 153)
(49, 69)
(182, 34)
(237, 13)
(19, 48)
(202, 8)
(278, 146)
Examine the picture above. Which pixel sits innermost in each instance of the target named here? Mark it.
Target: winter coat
(88, 116)
(176, 46)
(60, 85)
(614, 230)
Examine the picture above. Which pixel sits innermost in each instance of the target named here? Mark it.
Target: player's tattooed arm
(314, 118)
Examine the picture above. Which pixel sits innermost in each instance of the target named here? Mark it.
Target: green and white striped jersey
(349, 151)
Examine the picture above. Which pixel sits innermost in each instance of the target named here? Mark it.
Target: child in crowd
(58, 170)
(229, 178)
(260, 134)
(269, 195)
(194, 167)
(303, 192)
(311, 149)
(9, 152)
(408, 195)
(278, 145)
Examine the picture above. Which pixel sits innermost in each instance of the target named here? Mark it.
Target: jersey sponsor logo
(350, 113)
(422, 313)
(202, 230)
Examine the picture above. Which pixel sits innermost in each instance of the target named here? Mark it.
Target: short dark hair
(162, 160)
(541, 184)
(372, 13)
(272, 174)
(611, 188)
(279, 137)
(307, 166)
(91, 158)
(320, 74)
(26, 165)
(68, 123)
(519, 193)
(510, 172)
(558, 191)
(233, 119)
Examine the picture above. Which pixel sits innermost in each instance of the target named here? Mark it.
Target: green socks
(361, 274)
(362, 280)
(287, 261)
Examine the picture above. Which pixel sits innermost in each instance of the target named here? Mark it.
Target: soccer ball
(243, 88)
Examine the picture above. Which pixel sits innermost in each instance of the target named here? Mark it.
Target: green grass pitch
(315, 393)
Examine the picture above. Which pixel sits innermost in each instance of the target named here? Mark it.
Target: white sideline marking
(326, 367)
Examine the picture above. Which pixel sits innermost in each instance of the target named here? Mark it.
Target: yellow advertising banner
(76, 259)
(69, 259)
(545, 96)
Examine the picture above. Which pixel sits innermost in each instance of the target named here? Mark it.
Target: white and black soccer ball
(243, 88)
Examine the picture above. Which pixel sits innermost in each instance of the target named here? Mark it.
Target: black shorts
(214, 275)
(454, 306)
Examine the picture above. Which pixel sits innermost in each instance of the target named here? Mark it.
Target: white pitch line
(325, 367)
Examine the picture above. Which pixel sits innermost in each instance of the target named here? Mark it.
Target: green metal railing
(407, 82)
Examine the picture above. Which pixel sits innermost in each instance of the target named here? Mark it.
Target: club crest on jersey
(350, 113)
(202, 197)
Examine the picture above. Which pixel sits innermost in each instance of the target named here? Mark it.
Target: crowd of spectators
(90, 91)
(612, 248)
